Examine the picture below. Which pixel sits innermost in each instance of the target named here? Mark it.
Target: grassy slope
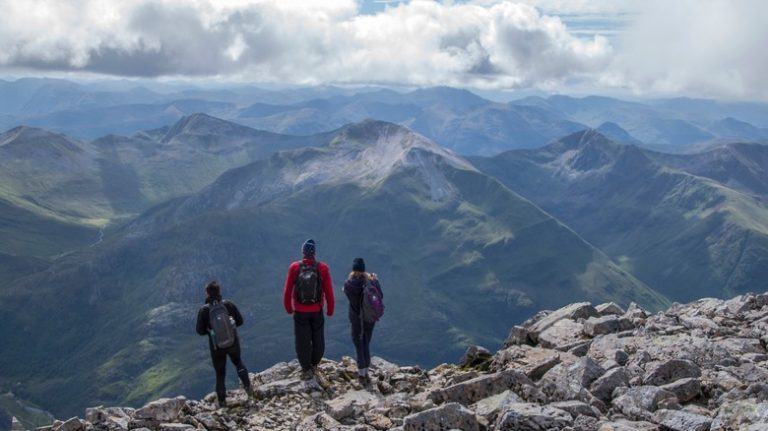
(684, 235)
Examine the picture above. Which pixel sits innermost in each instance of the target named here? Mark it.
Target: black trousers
(361, 336)
(219, 358)
(308, 329)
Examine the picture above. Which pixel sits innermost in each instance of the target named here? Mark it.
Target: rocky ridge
(694, 367)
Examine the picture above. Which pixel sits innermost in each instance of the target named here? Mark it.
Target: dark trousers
(361, 336)
(308, 329)
(219, 358)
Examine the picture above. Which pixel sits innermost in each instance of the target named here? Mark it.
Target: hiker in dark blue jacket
(362, 331)
(219, 356)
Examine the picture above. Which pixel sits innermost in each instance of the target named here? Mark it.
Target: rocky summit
(694, 367)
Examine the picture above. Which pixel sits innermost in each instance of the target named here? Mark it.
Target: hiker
(218, 319)
(364, 310)
(307, 287)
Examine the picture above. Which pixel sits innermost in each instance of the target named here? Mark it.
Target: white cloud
(710, 48)
(686, 47)
(417, 43)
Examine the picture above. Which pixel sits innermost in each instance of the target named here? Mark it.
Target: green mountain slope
(444, 238)
(660, 216)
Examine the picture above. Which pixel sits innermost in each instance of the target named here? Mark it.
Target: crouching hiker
(366, 307)
(219, 319)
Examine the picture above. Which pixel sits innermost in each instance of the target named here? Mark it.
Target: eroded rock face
(698, 366)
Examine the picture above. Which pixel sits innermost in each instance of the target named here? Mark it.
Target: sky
(697, 48)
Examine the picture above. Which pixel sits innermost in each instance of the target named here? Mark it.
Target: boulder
(162, 410)
(637, 403)
(609, 308)
(527, 416)
(562, 335)
(603, 387)
(661, 373)
(684, 389)
(118, 417)
(175, 427)
(606, 325)
(318, 421)
(625, 425)
(533, 361)
(491, 407)
(569, 381)
(352, 403)
(474, 390)
(475, 356)
(580, 310)
(677, 420)
(518, 336)
(71, 424)
(576, 408)
(446, 417)
(739, 415)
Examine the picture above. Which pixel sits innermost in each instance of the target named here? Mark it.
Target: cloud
(487, 44)
(710, 48)
(713, 48)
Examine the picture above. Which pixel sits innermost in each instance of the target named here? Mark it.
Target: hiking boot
(222, 404)
(307, 374)
(250, 393)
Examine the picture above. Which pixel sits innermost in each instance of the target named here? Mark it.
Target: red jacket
(326, 294)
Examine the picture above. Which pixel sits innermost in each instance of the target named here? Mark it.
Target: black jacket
(353, 288)
(204, 322)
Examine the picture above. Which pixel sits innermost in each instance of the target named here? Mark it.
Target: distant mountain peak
(590, 151)
(201, 124)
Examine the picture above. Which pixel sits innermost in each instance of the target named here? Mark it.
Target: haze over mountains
(456, 119)
(469, 232)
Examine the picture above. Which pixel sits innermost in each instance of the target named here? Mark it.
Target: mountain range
(456, 119)
(437, 230)
(123, 231)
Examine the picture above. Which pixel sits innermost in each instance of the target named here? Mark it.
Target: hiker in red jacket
(307, 287)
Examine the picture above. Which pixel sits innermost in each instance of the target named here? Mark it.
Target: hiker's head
(358, 264)
(213, 290)
(308, 248)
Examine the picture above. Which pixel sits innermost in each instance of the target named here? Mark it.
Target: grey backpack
(223, 330)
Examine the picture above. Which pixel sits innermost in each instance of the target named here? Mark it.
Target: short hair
(212, 289)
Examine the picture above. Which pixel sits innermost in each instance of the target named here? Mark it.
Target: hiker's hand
(373, 276)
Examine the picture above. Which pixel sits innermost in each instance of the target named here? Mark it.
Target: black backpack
(223, 330)
(306, 289)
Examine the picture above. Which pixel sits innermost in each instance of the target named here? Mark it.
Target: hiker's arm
(325, 276)
(236, 315)
(288, 289)
(202, 328)
(376, 283)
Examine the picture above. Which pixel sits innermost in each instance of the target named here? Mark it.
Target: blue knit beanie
(308, 248)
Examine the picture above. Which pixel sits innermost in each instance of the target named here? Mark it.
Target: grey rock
(562, 335)
(527, 416)
(446, 417)
(533, 361)
(603, 387)
(580, 349)
(609, 308)
(676, 420)
(175, 427)
(625, 425)
(606, 325)
(115, 417)
(740, 414)
(474, 390)
(162, 410)
(71, 424)
(352, 403)
(474, 356)
(580, 310)
(518, 336)
(569, 381)
(684, 389)
(491, 407)
(638, 403)
(318, 421)
(576, 408)
(661, 373)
